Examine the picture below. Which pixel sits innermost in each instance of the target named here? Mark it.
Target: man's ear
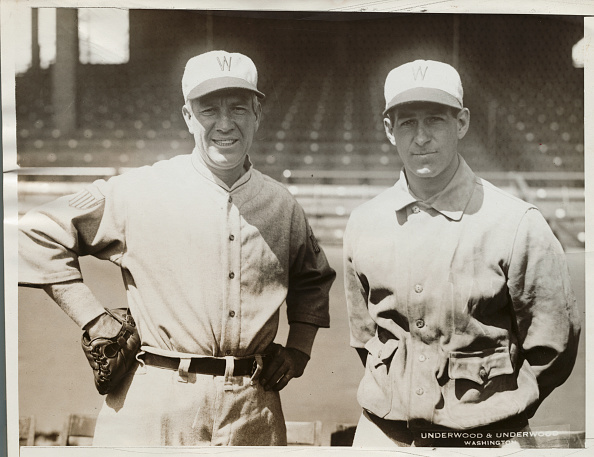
(463, 120)
(258, 113)
(187, 113)
(389, 128)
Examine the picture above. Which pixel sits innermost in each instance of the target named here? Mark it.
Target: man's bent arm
(302, 336)
(544, 304)
(285, 363)
(79, 303)
(54, 235)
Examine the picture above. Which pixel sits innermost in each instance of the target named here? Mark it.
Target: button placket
(231, 310)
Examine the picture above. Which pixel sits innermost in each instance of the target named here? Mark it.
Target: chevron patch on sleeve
(86, 199)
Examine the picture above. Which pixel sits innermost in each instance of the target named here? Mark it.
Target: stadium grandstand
(322, 132)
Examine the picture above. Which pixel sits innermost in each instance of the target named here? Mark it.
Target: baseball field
(55, 380)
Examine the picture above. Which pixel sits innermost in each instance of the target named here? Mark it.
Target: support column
(35, 39)
(64, 96)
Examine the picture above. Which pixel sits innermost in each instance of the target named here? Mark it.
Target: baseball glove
(111, 358)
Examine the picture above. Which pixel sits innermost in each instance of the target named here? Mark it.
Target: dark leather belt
(203, 365)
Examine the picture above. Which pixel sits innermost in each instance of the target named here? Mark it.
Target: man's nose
(422, 136)
(224, 122)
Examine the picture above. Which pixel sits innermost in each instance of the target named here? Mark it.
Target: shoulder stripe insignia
(85, 199)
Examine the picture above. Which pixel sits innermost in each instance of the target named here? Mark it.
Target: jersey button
(230, 199)
(418, 288)
(422, 358)
(416, 209)
(231, 313)
(231, 275)
(419, 391)
(420, 323)
(231, 237)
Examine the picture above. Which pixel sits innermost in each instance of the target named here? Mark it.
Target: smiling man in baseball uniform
(209, 250)
(458, 293)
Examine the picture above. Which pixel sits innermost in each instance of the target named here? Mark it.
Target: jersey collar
(451, 201)
(208, 174)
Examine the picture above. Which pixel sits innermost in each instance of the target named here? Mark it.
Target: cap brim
(215, 84)
(424, 94)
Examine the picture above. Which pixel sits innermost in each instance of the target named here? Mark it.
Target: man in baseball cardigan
(459, 297)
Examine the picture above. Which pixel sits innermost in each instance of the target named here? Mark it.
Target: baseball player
(209, 250)
(458, 294)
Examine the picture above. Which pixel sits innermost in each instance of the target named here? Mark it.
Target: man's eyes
(213, 111)
(412, 122)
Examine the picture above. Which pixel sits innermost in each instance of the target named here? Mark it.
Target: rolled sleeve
(310, 276)
(545, 307)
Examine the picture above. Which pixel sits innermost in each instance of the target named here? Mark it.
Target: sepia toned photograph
(327, 229)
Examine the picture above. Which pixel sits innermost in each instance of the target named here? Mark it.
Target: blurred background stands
(323, 75)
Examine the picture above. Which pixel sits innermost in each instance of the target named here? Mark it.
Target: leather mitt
(111, 358)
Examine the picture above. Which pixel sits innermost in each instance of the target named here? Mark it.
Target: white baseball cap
(423, 81)
(216, 70)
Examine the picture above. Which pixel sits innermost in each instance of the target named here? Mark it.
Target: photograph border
(412, 7)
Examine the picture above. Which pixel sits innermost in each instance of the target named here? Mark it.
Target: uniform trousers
(373, 431)
(155, 407)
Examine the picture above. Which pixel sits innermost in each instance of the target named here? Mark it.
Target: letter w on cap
(419, 71)
(225, 62)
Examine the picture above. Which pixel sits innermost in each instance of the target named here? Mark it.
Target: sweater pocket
(480, 367)
(479, 388)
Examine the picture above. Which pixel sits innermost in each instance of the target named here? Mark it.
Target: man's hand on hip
(282, 364)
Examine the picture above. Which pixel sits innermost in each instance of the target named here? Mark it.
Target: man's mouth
(224, 143)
